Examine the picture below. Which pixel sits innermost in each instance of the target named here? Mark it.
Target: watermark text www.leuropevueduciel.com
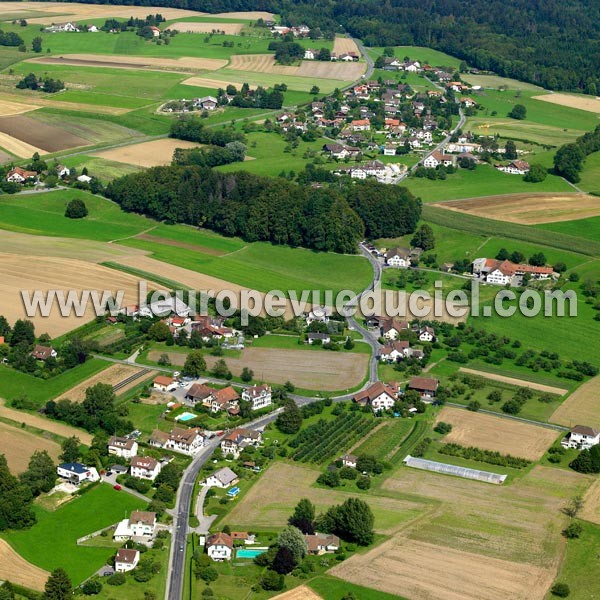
(420, 304)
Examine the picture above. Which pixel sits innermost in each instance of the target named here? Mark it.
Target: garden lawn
(15, 383)
(485, 180)
(51, 542)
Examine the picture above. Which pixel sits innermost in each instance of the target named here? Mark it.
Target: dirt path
(540, 387)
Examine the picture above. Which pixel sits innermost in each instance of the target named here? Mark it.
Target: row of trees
(211, 156)
(191, 128)
(47, 84)
(265, 209)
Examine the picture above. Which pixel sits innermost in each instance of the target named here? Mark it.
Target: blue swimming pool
(234, 491)
(186, 416)
(250, 552)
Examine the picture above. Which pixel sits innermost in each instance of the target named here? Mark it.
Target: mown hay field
(18, 445)
(496, 433)
(582, 407)
(16, 569)
(147, 154)
(589, 103)
(197, 27)
(528, 209)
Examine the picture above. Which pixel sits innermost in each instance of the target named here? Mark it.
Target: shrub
(561, 590)
(573, 531)
(116, 579)
(76, 209)
(363, 483)
(443, 428)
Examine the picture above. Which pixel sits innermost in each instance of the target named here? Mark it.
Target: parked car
(117, 487)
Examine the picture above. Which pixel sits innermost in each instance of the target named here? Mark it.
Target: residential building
(436, 158)
(77, 472)
(426, 386)
(222, 478)
(349, 460)
(581, 437)
(123, 447)
(516, 167)
(126, 560)
(199, 393)
(164, 383)
(141, 525)
(206, 103)
(43, 352)
(321, 314)
(392, 328)
(398, 257)
(238, 439)
(378, 396)
(155, 31)
(219, 546)
(144, 467)
(62, 171)
(426, 334)
(69, 27)
(259, 396)
(505, 272)
(394, 351)
(186, 441)
(309, 54)
(322, 543)
(323, 338)
(360, 125)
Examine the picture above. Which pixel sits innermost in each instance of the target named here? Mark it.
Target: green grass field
(485, 180)
(588, 229)
(590, 176)
(332, 588)
(51, 542)
(14, 383)
(424, 55)
(383, 442)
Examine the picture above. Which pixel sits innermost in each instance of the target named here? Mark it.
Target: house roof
(225, 395)
(121, 442)
(160, 437)
(319, 540)
(219, 539)
(398, 345)
(239, 535)
(318, 336)
(163, 380)
(144, 462)
(185, 436)
(257, 390)
(200, 391)
(585, 430)
(225, 476)
(373, 391)
(239, 435)
(142, 516)
(389, 324)
(429, 384)
(42, 352)
(73, 467)
(126, 555)
(401, 252)
(519, 164)
(22, 172)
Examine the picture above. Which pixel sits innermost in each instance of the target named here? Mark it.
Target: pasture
(582, 407)
(496, 434)
(146, 154)
(18, 445)
(99, 508)
(207, 27)
(591, 504)
(495, 82)
(113, 375)
(324, 370)
(39, 422)
(528, 209)
(16, 569)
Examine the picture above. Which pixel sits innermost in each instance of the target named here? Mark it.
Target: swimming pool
(250, 552)
(186, 416)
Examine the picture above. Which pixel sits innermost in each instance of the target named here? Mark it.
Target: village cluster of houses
(299, 31)
(505, 272)
(22, 176)
(311, 54)
(70, 27)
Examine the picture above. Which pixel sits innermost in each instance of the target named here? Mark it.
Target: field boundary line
(540, 387)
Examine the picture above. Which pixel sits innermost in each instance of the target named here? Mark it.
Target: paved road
(370, 64)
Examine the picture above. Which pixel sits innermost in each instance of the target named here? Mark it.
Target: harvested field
(520, 522)
(147, 154)
(226, 28)
(589, 103)
(591, 504)
(329, 371)
(528, 209)
(45, 424)
(38, 134)
(345, 45)
(496, 433)
(14, 568)
(300, 593)
(582, 407)
(206, 82)
(265, 63)
(22, 272)
(41, 245)
(18, 445)
(18, 147)
(151, 63)
(75, 12)
(268, 503)
(252, 15)
(422, 570)
(113, 375)
(5, 157)
(191, 279)
(540, 387)
(14, 108)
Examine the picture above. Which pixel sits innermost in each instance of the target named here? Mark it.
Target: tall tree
(194, 364)
(23, 333)
(41, 473)
(70, 450)
(58, 586)
(292, 538)
(304, 516)
(15, 500)
(290, 420)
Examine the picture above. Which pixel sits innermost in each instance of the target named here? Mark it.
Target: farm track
(130, 379)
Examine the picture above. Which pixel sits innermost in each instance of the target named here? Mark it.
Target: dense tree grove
(551, 43)
(569, 159)
(191, 128)
(15, 500)
(266, 209)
